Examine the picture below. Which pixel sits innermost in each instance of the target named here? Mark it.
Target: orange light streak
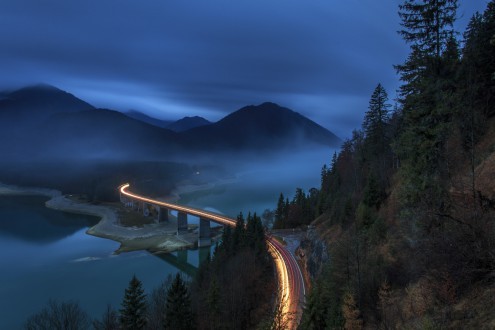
(289, 286)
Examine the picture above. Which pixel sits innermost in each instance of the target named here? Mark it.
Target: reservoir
(46, 254)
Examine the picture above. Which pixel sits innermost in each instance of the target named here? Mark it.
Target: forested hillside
(407, 207)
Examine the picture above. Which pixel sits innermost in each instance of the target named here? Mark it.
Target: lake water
(46, 254)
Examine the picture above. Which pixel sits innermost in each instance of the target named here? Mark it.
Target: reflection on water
(46, 254)
(38, 224)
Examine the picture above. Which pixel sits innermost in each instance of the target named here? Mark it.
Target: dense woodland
(407, 207)
(234, 289)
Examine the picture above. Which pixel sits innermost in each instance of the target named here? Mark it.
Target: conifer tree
(178, 311)
(428, 28)
(376, 118)
(226, 244)
(280, 213)
(133, 312)
(427, 25)
(239, 235)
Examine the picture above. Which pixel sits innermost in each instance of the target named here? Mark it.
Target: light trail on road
(291, 284)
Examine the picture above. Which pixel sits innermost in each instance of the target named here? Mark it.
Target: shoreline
(156, 237)
(6, 189)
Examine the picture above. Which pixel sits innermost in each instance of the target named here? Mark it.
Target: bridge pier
(181, 222)
(163, 214)
(146, 210)
(204, 232)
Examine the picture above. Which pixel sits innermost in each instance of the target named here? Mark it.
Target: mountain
(45, 122)
(38, 102)
(266, 126)
(187, 123)
(105, 134)
(147, 119)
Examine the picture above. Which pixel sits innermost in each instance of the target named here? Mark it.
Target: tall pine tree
(377, 117)
(377, 135)
(428, 28)
(133, 312)
(280, 213)
(178, 311)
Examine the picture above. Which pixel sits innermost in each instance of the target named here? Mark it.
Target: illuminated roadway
(290, 280)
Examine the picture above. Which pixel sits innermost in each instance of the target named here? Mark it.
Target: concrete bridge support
(146, 209)
(181, 222)
(204, 233)
(163, 214)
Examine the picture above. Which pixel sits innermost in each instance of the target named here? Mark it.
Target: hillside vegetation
(407, 207)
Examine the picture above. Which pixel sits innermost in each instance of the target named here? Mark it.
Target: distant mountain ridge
(148, 119)
(265, 126)
(41, 121)
(39, 102)
(188, 123)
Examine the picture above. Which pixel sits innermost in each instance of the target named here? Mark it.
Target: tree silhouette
(133, 312)
(178, 311)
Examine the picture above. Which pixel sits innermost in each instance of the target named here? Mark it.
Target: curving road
(290, 280)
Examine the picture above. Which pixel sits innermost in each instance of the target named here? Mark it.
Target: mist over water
(259, 179)
(46, 254)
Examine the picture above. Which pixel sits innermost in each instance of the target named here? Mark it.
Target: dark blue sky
(172, 58)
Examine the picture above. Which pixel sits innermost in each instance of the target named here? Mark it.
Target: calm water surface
(46, 254)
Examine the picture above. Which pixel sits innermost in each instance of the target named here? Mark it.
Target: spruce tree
(239, 234)
(178, 311)
(427, 75)
(133, 312)
(280, 213)
(226, 243)
(376, 118)
(427, 25)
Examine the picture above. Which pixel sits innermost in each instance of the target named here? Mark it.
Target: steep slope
(103, 133)
(38, 102)
(147, 119)
(45, 122)
(265, 126)
(187, 123)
